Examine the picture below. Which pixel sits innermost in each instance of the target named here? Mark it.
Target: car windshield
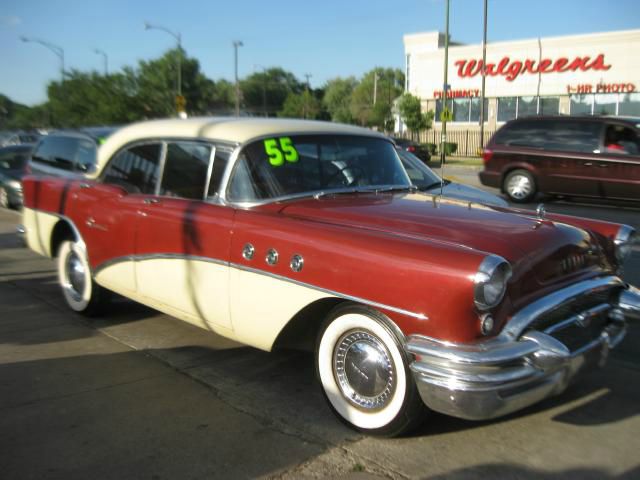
(294, 165)
(421, 176)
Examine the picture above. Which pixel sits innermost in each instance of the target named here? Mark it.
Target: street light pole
(178, 37)
(484, 76)
(105, 58)
(236, 44)
(54, 48)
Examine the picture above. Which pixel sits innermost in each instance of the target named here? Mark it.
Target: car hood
(472, 194)
(533, 247)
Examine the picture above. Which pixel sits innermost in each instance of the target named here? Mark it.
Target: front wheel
(364, 373)
(520, 186)
(82, 294)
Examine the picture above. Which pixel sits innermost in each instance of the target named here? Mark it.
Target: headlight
(626, 239)
(491, 282)
(14, 184)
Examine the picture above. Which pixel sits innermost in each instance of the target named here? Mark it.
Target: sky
(327, 38)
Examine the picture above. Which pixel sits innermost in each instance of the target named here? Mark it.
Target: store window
(463, 109)
(606, 104)
(629, 104)
(507, 108)
(520, 107)
(549, 106)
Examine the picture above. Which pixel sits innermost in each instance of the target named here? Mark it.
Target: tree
(265, 92)
(337, 98)
(301, 105)
(372, 99)
(411, 113)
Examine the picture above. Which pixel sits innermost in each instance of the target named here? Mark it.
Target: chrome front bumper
(528, 361)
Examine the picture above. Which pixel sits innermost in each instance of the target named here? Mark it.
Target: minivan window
(524, 134)
(622, 140)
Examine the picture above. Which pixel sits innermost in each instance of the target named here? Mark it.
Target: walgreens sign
(512, 69)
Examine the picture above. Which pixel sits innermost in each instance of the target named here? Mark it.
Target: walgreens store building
(573, 75)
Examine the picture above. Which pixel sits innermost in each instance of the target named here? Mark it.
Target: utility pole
(237, 44)
(484, 76)
(446, 90)
(306, 95)
(375, 86)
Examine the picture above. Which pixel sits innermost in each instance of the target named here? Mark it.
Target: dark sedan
(13, 166)
(419, 150)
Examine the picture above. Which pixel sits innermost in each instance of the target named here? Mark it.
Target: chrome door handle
(85, 185)
(588, 164)
(603, 165)
(149, 201)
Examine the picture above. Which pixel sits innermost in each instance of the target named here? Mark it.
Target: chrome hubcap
(364, 370)
(75, 273)
(519, 187)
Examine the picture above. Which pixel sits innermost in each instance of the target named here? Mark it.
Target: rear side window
(560, 135)
(185, 170)
(135, 169)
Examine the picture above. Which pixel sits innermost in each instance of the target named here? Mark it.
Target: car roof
(633, 121)
(224, 129)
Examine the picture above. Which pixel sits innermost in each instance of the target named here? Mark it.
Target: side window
(573, 136)
(622, 140)
(523, 134)
(135, 169)
(185, 170)
(220, 161)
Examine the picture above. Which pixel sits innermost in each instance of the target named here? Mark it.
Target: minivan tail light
(486, 155)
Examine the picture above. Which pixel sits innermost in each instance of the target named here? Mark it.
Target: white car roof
(226, 129)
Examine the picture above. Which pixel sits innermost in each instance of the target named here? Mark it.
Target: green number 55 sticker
(279, 150)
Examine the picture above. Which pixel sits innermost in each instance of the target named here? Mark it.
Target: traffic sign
(446, 115)
(181, 103)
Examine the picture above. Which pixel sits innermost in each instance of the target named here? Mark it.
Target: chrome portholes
(272, 256)
(297, 262)
(248, 251)
(364, 370)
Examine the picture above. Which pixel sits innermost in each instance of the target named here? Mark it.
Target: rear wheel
(520, 186)
(364, 373)
(82, 294)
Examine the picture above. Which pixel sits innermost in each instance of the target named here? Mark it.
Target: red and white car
(283, 232)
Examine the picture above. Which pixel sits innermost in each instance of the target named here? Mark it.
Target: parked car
(597, 157)
(14, 161)
(69, 153)
(419, 150)
(427, 181)
(280, 233)
(8, 138)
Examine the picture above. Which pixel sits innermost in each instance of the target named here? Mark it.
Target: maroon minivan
(596, 157)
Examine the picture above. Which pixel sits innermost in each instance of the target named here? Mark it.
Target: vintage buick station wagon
(294, 233)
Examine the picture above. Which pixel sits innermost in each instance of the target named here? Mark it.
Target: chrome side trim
(629, 303)
(524, 317)
(171, 256)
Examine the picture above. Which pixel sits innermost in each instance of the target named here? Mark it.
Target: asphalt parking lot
(138, 394)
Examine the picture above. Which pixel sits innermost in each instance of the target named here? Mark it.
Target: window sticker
(279, 150)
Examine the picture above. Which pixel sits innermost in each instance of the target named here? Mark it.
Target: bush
(432, 147)
(450, 148)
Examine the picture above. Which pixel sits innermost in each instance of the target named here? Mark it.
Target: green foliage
(301, 105)
(450, 148)
(411, 113)
(337, 97)
(372, 99)
(265, 92)
(432, 147)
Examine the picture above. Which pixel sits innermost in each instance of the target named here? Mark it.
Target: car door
(570, 150)
(618, 162)
(113, 208)
(182, 246)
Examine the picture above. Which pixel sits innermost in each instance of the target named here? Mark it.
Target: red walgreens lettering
(513, 69)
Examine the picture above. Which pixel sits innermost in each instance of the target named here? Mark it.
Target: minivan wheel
(519, 186)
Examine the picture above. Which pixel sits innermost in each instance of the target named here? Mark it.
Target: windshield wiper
(424, 188)
(383, 189)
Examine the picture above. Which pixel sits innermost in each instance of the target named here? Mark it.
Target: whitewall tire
(74, 274)
(364, 373)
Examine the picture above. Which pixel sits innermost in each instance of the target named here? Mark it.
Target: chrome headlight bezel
(625, 240)
(490, 282)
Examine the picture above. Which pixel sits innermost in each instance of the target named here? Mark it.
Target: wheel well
(61, 232)
(301, 331)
